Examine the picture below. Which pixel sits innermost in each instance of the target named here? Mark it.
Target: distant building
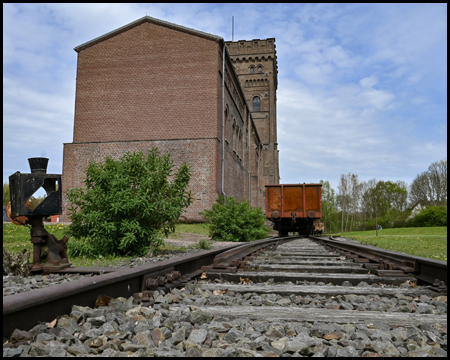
(156, 84)
(415, 210)
(255, 62)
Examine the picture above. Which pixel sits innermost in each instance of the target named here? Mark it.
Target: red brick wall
(154, 86)
(200, 154)
(150, 82)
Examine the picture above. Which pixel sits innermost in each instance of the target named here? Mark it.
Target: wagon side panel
(273, 199)
(313, 199)
(292, 201)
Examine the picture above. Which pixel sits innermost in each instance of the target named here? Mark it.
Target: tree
(348, 198)
(430, 187)
(437, 173)
(127, 204)
(329, 207)
(387, 198)
(343, 197)
(231, 220)
(5, 193)
(355, 196)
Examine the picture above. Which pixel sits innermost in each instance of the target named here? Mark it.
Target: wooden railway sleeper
(158, 281)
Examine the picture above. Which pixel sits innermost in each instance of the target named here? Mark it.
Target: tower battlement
(252, 47)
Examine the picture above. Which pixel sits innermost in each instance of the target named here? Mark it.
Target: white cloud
(361, 87)
(368, 82)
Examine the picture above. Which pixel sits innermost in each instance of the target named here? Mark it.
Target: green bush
(231, 220)
(430, 217)
(126, 205)
(400, 221)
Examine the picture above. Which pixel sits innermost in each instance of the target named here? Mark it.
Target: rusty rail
(386, 262)
(231, 259)
(25, 310)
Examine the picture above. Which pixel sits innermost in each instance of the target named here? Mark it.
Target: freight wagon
(295, 208)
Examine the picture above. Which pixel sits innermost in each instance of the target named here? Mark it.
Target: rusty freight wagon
(295, 208)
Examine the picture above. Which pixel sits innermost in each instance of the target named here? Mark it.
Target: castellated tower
(255, 62)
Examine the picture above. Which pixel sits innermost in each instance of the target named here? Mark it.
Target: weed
(204, 244)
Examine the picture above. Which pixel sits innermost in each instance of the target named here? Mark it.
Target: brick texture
(154, 85)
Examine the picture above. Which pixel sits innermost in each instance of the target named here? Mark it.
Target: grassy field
(16, 238)
(429, 242)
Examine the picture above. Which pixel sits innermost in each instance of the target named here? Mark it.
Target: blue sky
(362, 88)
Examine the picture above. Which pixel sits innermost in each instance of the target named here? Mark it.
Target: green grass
(429, 242)
(17, 237)
(201, 229)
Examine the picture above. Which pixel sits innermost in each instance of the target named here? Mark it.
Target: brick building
(156, 84)
(255, 62)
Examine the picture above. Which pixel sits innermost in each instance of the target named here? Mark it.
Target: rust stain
(19, 220)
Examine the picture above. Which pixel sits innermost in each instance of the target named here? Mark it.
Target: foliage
(5, 193)
(348, 199)
(204, 244)
(16, 239)
(329, 208)
(430, 187)
(127, 204)
(400, 220)
(430, 217)
(16, 263)
(430, 242)
(231, 220)
(382, 202)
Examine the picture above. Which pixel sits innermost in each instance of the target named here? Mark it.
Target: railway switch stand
(24, 209)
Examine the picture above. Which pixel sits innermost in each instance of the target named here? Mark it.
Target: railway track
(273, 297)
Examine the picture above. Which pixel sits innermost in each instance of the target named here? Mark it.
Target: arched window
(256, 103)
(252, 70)
(260, 69)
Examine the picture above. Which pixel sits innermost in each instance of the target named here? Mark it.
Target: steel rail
(383, 261)
(25, 310)
(231, 259)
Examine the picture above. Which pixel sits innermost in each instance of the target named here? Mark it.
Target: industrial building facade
(156, 84)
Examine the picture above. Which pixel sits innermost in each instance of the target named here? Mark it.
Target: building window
(256, 103)
(252, 70)
(227, 125)
(260, 69)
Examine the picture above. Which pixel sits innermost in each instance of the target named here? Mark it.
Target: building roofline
(175, 27)
(139, 22)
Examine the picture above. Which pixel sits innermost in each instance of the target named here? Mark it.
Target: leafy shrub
(430, 217)
(126, 205)
(400, 221)
(231, 220)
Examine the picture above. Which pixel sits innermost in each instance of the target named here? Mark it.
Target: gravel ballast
(177, 325)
